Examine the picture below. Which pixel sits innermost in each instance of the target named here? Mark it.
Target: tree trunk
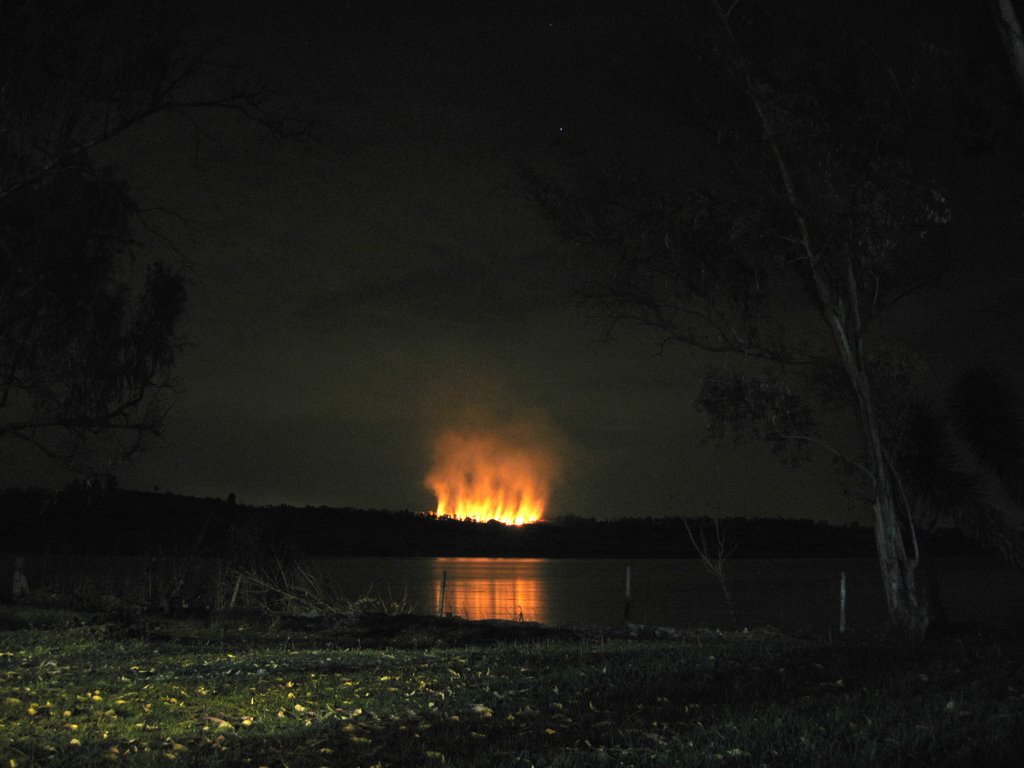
(908, 610)
(839, 308)
(1009, 30)
(727, 596)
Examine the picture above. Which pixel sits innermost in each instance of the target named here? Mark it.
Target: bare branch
(714, 559)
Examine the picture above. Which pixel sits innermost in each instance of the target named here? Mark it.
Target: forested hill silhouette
(110, 521)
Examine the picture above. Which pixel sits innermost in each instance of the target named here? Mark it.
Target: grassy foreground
(447, 692)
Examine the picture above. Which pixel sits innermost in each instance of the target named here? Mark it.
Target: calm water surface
(790, 594)
(786, 593)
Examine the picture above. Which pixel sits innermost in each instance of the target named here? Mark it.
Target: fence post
(19, 584)
(842, 602)
(627, 592)
(440, 604)
(234, 592)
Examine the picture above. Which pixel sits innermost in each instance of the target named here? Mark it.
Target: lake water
(790, 594)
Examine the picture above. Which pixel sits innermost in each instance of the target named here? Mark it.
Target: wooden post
(234, 592)
(627, 592)
(842, 602)
(440, 603)
(19, 584)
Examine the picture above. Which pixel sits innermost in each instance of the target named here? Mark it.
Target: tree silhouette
(782, 241)
(88, 323)
(963, 464)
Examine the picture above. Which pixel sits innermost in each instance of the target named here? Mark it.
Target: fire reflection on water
(476, 589)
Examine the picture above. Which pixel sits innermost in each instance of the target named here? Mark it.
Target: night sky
(354, 295)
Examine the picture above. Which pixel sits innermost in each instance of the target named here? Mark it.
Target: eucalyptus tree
(89, 322)
(794, 223)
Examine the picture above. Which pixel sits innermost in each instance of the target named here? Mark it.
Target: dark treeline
(110, 521)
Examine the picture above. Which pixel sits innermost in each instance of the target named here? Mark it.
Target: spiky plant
(964, 465)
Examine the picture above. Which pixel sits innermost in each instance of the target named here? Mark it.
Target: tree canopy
(89, 321)
(795, 210)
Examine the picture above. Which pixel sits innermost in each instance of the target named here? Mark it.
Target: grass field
(407, 691)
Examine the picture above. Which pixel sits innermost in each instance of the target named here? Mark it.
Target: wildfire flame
(492, 475)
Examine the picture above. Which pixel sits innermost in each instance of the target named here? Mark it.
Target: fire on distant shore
(493, 474)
